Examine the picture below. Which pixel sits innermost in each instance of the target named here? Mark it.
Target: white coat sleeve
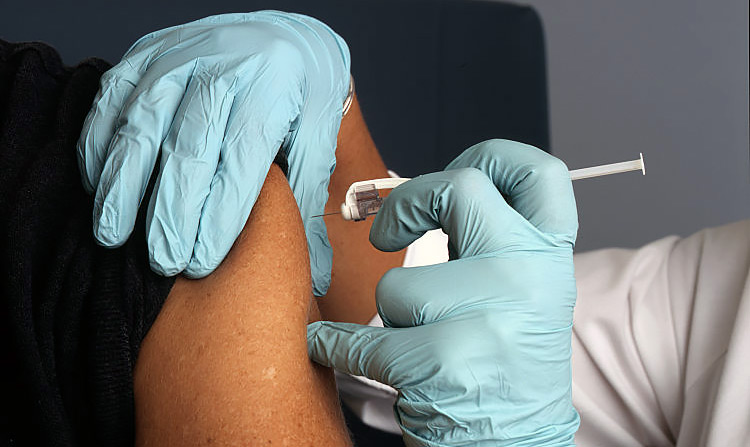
(661, 342)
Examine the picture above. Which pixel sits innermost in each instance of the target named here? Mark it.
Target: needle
(327, 214)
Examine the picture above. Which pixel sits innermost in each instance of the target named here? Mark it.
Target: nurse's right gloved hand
(478, 347)
(214, 100)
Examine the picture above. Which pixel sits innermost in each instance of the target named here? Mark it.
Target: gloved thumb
(354, 348)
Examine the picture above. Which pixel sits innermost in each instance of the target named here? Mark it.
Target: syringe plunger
(613, 168)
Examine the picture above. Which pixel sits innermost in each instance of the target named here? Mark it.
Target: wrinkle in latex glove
(216, 99)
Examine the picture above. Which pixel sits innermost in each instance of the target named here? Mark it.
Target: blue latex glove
(478, 347)
(216, 98)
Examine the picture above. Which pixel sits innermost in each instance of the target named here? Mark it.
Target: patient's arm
(226, 361)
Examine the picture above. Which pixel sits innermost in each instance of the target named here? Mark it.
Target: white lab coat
(661, 343)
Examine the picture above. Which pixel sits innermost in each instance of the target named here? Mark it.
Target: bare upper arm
(226, 361)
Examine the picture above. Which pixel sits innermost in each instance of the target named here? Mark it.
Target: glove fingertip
(321, 284)
(166, 257)
(107, 227)
(321, 259)
(162, 269)
(321, 275)
(312, 329)
(197, 269)
(163, 261)
(316, 345)
(210, 250)
(107, 239)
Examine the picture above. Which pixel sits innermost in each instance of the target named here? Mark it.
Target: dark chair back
(433, 76)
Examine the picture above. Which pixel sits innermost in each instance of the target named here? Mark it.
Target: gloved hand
(215, 98)
(478, 347)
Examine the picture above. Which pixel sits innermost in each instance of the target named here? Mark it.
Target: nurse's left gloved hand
(214, 100)
(478, 347)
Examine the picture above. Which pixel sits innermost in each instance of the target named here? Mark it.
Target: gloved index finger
(464, 203)
(537, 183)
(382, 354)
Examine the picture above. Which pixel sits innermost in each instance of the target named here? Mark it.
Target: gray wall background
(667, 78)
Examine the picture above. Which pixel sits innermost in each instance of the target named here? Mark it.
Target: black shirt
(72, 314)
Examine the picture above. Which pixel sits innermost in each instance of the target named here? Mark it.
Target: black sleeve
(72, 314)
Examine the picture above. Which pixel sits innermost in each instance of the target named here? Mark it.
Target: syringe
(612, 168)
(362, 198)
